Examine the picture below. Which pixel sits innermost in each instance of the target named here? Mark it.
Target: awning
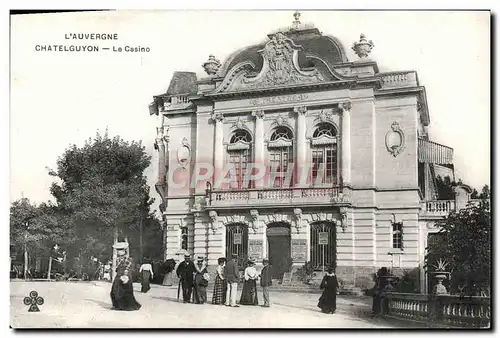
(432, 152)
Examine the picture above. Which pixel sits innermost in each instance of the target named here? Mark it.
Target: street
(87, 305)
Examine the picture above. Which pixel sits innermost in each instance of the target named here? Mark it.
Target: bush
(305, 273)
(409, 282)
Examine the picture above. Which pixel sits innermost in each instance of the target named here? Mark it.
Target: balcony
(178, 102)
(278, 197)
(439, 208)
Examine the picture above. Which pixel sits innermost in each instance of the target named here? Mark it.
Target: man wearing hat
(266, 280)
(232, 273)
(185, 272)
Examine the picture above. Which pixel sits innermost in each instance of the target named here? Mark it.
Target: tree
(34, 228)
(101, 192)
(444, 188)
(464, 242)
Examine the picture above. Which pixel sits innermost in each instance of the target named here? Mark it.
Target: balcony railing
(438, 207)
(399, 79)
(277, 196)
(178, 102)
(448, 310)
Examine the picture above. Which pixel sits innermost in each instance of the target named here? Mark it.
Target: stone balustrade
(178, 102)
(446, 310)
(399, 79)
(275, 197)
(438, 207)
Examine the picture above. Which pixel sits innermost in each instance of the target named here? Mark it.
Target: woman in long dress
(122, 292)
(200, 282)
(249, 292)
(219, 296)
(328, 300)
(146, 271)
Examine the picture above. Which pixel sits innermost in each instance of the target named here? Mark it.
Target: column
(218, 119)
(301, 158)
(259, 142)
(345, 108)
(256, 239)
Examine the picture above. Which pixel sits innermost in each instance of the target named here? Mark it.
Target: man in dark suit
(185, 272)
(266, 280)
(232, 273)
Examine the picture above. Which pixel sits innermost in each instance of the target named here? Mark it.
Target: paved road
(87, 305)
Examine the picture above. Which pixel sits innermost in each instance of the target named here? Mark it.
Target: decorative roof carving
(280, 68)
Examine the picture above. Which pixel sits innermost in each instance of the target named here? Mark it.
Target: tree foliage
(464, 242)
(101, 186)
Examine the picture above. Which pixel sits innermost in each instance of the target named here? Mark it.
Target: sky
(63, 98)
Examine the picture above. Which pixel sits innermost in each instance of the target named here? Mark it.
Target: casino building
(292, 101)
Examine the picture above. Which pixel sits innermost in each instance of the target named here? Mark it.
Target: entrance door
(323, 245)
(237, 242)
(278, 240)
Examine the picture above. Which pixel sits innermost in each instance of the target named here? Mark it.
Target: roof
(183, 83)
(312, 41)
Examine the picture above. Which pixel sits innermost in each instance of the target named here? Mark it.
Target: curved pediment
(280, 68)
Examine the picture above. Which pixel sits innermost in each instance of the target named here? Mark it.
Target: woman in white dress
(249, 292)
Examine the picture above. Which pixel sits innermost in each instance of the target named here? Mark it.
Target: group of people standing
(227, 277)
(195, 277)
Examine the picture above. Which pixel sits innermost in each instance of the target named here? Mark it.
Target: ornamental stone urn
(363, 47)
(211, 66)
(440, 274)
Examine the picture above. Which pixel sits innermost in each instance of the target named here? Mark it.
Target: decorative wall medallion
(395, 140)
(184, 153)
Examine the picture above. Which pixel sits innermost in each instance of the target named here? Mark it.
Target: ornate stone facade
(349, 128)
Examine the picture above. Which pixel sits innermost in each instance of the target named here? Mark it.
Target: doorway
(278, 241)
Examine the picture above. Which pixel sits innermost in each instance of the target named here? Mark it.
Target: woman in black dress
(328, 300)
(122, 292)
(200, 282)
(146, 271)
(249, 292)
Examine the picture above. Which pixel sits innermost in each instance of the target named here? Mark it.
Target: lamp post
(26, 224)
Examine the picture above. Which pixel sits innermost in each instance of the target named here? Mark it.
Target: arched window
(280, 155)
(324, 154)
(239, 151)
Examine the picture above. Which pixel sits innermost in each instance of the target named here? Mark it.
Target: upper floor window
(281, 156)
(324, 154)
(397, 235)
(239, 155)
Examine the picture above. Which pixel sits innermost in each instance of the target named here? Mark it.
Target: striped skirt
(219, 296)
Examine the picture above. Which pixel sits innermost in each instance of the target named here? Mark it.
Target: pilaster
(345, 108)
(301, 157)
(259, 142)
(218, 120)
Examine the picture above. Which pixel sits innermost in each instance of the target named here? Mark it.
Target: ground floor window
(323, 245)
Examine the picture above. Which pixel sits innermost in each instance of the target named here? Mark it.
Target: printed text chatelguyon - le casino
(92, 42)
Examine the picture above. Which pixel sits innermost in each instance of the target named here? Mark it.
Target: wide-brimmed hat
(234, 255)
(265, 260)
(201, 258)
(120, 245)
